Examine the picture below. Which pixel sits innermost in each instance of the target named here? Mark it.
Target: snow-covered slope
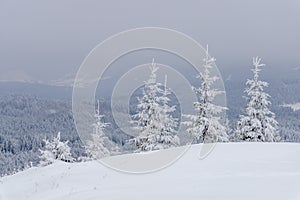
(232, 171)
(294, 107)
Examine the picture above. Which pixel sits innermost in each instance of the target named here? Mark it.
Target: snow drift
(232, 171)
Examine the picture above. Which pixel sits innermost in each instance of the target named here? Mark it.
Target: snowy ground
(295, 107)
(232, 171)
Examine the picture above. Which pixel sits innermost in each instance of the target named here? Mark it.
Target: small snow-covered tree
(56, 150)
(99, 145)
(258, 124)
(154, 120)
(206, 124)
(167, 137)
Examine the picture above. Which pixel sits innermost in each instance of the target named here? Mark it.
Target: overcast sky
(46, 40)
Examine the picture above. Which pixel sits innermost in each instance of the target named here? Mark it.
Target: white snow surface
(294, 107)
(233, 171)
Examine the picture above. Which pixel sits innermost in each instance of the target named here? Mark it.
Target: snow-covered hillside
(232, 171)
(294, 107)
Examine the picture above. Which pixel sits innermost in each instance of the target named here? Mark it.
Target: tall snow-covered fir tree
(206, 124)
(167, 137)
(99, 146)
(154, 121)
(56, 150)
(258, 124)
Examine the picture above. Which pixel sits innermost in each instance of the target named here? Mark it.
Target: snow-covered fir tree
(205, 125)
(56, 150)
(154, 121)
(99, 146)
(258, 124)
(167, 137)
